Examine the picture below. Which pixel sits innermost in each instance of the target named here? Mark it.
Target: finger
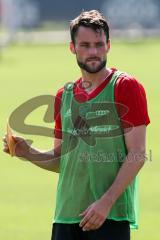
(94, 223)
(15, 138)
(5, 147)
(97, 224)
(5, 143)
(4, 139)
(6, 150)
(91, 224)
(84, 212)
(86, 218)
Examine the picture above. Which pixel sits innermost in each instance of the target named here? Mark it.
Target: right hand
(21, 146)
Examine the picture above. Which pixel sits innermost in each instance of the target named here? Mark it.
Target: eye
(100, 44)
(85, 45)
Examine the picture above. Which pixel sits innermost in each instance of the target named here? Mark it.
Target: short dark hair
(91, 19)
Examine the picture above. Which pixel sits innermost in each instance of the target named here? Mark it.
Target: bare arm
(47, 160)
(135, 143)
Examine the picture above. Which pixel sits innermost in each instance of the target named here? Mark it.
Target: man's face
(91, 49)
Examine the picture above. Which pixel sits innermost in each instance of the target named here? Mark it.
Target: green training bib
(92, 153)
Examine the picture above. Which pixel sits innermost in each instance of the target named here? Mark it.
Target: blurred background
(35, 60)
(26, 20)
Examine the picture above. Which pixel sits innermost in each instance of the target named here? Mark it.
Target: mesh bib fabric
(92, 153)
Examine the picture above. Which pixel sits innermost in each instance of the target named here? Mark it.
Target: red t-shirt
(128, 91)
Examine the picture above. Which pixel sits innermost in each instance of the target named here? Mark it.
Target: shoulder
(130, 92)
(128, 83)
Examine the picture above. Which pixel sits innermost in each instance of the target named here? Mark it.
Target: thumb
(17, 139)
(84, 212)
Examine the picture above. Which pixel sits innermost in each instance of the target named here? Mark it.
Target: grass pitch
(27, 193)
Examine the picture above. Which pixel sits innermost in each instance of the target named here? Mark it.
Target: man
(101, 119)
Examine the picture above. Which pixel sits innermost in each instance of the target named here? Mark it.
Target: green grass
(27, 193)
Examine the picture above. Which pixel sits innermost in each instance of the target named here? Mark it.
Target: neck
(95, 78)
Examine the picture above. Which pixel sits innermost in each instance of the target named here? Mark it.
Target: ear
(108, 46)
(72, 48)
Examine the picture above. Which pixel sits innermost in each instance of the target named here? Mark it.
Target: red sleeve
(57, 115)
(129, 92)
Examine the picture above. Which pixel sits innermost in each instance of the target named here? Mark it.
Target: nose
(92, 51)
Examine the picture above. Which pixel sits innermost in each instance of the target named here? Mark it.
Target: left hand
(94, 215)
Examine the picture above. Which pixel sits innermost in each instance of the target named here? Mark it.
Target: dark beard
(90, 70)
